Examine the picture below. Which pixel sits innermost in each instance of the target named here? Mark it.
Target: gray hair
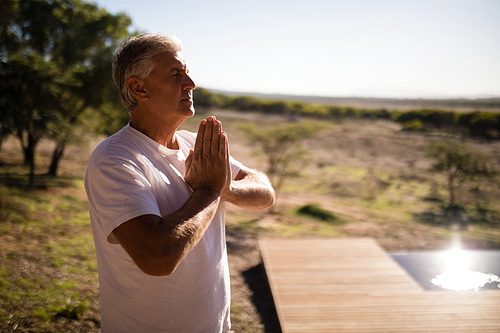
(135, 58)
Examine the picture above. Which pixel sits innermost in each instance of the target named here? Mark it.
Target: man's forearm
(253, 191)
(157, 245)
(187, 226)
(192, 219)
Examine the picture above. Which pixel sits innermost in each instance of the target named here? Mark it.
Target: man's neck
(164, 135)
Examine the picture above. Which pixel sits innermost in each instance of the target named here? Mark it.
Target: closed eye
(179, 72)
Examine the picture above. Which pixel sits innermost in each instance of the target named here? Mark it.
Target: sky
(348, 48)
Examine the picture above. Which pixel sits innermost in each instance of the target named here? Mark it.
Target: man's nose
(189, 84)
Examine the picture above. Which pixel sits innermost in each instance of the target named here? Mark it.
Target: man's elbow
(264, 200)
(269, 195)
(270, 199)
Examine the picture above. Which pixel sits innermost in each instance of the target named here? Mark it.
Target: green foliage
(48, 268)
(29, 91)
(276, 107)
(429, 118)
(459, 164)
(244, 103)
(476, 123)
(484, 124)
(73, 309)
(43, 314)
(55, 64)
(315, 211)
(207, 100)
(413, 125)
(282, 147)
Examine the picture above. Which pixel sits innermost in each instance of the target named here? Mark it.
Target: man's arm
(250, 189)
(158, 244)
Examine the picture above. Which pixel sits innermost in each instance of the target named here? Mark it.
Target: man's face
(169, 88)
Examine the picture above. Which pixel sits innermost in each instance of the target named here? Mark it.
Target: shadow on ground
(262, 297)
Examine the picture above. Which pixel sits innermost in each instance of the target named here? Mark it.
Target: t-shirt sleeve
(119, 192)
(235, 167)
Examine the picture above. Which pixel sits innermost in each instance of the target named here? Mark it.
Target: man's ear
(137, 88)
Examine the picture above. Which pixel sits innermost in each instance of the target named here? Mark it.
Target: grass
(48, 271)
(285, 222)
(364, 179)
(375, 177)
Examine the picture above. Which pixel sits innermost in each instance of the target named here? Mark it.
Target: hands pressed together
(207, 166)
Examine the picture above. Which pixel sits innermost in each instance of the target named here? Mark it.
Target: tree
(95, 96)
(282, 147)
(459, 164)
(76, 38)
(245, 103)
(29, 87)
(206, 99)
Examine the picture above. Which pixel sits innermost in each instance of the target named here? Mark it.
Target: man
(156, 200)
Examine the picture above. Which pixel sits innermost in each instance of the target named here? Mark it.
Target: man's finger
(188, 162)
(223, 147)
(207, 136)
(215, 146)
(198, 145)
(224, 156)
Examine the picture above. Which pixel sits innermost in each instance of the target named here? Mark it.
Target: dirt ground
(252, 304)
(255, 311)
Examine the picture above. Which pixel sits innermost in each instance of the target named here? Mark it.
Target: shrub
(316, 212)
(413, 125)
(73, 309)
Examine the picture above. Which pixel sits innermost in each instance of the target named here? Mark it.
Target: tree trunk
(30, 159)
(56, 156)
(25, 146)
(451, 189)
(2, 135)
(61, 145)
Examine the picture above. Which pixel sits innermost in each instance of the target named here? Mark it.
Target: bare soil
(367, 145)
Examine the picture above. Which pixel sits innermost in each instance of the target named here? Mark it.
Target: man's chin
(187, 110)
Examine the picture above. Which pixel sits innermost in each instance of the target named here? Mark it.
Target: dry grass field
(371, 176)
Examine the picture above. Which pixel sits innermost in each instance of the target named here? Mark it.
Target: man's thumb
(188, 162)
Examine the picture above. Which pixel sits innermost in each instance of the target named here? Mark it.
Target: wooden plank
(352, 285)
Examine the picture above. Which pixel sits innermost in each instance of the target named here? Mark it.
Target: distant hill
(460, 104)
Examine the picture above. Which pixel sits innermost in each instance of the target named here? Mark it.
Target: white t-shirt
(130, 175)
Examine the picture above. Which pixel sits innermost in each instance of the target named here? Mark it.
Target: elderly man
(156, 200)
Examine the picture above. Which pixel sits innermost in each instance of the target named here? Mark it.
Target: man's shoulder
(117, 145)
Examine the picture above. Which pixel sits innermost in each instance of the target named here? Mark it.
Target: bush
(413, 125)
(245, 103)
(73, 309)
(316, 212)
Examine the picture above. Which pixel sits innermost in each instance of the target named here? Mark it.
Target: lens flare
(458, 277)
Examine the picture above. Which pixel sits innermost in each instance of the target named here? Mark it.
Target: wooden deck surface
(352, 285)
